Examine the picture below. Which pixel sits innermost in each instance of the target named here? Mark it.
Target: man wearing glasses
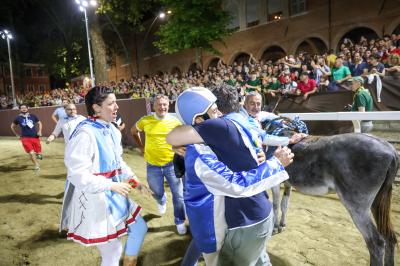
(159, 157)
(66, 124)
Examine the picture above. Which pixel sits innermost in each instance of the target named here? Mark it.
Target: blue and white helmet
(193, 102)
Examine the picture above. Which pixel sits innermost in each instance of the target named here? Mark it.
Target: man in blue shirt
(60, 111)
(249, 220)
(29, 134)
(359, 66)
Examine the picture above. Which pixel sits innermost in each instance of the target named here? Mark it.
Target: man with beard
(29, 134)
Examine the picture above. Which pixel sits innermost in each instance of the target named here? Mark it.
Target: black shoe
(39, 156)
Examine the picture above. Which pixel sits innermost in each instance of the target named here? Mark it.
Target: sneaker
(162, 208)
(39, 156)
(181, 228)
(36, 168)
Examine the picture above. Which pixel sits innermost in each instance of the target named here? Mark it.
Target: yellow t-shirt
(330, 60)
(156, 149)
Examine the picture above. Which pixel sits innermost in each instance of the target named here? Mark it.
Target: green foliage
(193, 24)
(129, 13)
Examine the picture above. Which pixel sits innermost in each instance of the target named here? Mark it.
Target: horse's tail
(382, 203)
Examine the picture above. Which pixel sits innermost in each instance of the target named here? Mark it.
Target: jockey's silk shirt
(227, 143)
(157, 151)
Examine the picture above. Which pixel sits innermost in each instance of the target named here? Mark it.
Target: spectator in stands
(393, 65)
(321, 69)
(306, 86)
(340, 74)
(375, 66)
(331, 58)
(288, 86)
(253, 84)
(358, 67)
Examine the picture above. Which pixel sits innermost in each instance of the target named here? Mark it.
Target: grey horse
(361, 169)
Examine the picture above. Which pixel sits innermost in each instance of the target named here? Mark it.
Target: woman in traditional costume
(96, 207)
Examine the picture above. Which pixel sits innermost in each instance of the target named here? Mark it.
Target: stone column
(242, 14)
(263, 11)
(285, 8)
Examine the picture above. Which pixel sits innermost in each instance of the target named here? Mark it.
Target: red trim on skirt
(107, 238)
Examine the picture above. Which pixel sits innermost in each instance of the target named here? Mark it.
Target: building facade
(270, 29)
(32, 78)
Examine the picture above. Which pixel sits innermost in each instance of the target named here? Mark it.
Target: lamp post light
(6, 35)
(83, 5)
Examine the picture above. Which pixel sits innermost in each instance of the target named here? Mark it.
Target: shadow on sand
(43, 239)
(33, 198)
(172, 253)
(148, 217)
(13, 167)
(55, 177)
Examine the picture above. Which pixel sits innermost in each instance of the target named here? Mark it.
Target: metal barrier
(355, 117)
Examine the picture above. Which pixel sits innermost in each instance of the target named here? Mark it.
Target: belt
(110, 174)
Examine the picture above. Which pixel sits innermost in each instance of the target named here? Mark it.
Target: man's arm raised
(184, 135)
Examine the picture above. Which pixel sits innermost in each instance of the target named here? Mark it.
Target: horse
(361, 169)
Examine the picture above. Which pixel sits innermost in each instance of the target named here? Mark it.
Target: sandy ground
(319, 232)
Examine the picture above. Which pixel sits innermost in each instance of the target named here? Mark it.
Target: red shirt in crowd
(306, 87)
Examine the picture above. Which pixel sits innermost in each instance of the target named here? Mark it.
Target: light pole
(161, 15)
(6, 35)
(83, 5)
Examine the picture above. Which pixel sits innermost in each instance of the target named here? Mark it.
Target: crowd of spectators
(301, 75)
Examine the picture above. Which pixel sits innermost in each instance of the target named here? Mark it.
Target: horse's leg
(275, 204)
(285, 205)
(360, 213)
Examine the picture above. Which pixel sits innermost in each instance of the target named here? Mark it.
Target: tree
(125, 18)
(193, 24)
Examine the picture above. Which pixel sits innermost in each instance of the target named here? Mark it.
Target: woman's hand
(121, 188)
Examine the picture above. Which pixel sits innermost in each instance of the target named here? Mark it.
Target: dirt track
(319, 232)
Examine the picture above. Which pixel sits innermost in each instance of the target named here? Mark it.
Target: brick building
(32, 78)
(271, 29)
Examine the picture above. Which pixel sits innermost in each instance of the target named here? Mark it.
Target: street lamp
(161, 15)
(83, 5)
(6, 35)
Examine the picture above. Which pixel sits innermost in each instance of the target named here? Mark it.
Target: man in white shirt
(66, 124)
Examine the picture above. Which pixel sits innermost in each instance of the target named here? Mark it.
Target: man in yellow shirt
(159, 156)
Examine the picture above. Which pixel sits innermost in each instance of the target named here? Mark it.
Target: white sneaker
(162, 208)
(181, 228)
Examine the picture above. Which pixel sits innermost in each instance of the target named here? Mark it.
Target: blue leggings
(136, 233)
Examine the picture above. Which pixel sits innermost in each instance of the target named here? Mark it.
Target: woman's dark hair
(96, 95)
(227, 98)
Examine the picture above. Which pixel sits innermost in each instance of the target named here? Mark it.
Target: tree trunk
(99, 50)
(198, 58)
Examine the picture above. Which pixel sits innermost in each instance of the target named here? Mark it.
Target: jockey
(208, 180)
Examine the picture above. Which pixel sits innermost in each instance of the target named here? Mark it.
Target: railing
(355, 117)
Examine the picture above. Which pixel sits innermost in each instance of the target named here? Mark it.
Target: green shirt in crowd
(340, 73)
(254, 83)
(231, 82)
(274, 85)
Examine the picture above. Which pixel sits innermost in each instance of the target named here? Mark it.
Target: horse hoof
(275, 231)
